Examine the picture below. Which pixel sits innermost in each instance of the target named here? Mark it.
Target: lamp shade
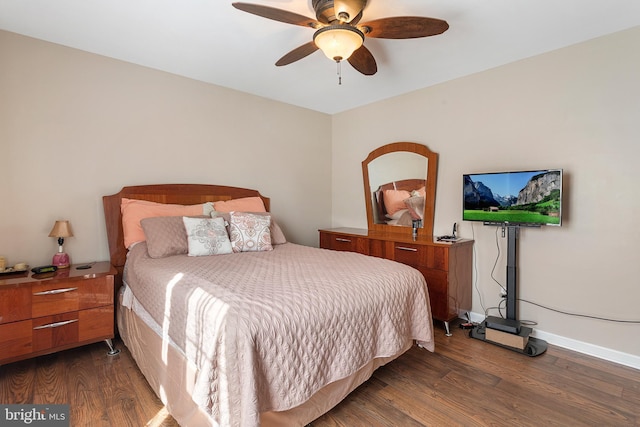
(61, 229)
(339, 41)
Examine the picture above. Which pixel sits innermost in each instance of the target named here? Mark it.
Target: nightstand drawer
(55, 298)
(60, 330)
(15, 303)
(15, 339)
(96, 323)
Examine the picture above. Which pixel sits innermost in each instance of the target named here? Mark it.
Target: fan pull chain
(339, 73)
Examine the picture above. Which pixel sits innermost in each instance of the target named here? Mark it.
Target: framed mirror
(400, 188)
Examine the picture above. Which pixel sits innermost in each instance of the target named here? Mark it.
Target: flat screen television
(528, 198)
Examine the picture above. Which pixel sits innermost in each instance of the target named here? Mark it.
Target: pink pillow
(245, 204)
(394, 200)
(133, 211)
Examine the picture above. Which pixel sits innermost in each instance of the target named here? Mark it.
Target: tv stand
(534, 346)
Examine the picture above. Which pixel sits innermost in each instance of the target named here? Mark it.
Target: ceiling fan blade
(404, 27)
(277, 14)
(363, 61)
(297, 54)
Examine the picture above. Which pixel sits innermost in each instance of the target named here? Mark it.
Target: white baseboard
(615, 356)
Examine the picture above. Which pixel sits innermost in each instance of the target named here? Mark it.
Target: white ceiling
(213, 42)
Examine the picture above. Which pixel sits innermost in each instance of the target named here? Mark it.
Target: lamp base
(61, 260)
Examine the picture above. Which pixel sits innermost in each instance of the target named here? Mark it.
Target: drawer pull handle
(340, 239)
(404, 248)
(55, 291)
(55, 325)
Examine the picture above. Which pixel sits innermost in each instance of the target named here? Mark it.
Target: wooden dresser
(41, 314)
(447, 267)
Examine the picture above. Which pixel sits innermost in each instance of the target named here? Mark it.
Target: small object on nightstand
(85, 266)
(61, 229)
(44, 269)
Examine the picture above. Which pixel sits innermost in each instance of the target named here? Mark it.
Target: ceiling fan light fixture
(338, 42)
(346, 10)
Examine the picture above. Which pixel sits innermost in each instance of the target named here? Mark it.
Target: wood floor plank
(466, 382)
(51, 377)
(16, 383)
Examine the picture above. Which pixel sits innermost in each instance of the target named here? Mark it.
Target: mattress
(267, 332)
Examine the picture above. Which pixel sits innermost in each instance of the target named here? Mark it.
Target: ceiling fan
(339, 33)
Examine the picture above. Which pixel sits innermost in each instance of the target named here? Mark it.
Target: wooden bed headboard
(182, 194)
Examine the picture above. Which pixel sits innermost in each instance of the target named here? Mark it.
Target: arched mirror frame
(430, 187)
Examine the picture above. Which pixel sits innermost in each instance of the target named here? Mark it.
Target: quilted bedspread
(266, 330)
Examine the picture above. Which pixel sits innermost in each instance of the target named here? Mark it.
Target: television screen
(519, 198)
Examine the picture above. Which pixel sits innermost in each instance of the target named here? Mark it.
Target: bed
(270, 337)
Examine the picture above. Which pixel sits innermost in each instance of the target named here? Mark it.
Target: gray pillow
(165, 235)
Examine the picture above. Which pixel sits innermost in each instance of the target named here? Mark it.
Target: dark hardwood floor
(465, 382)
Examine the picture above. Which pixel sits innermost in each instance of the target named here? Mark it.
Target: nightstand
(46, 313)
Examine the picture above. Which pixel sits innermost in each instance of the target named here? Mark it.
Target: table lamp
(61, 229)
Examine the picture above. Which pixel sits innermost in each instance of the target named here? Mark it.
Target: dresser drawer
(55, 298)
(437, 280)
(15, 303)
(408, 254)
(340, 242)
(434, 257)
(437, 285)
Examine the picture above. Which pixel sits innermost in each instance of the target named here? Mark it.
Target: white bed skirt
(171, 376)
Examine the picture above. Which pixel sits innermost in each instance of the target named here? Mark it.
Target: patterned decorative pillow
(206, 236)
(250, 232)
(277, 235)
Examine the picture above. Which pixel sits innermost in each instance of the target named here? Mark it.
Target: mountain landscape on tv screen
(537, 202)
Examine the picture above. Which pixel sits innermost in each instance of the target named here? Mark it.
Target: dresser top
(97, 269)
(390, 236)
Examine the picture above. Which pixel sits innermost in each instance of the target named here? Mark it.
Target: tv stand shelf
(534, 347)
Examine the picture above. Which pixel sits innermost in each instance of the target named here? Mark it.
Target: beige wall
(578, 109)
(76, 126)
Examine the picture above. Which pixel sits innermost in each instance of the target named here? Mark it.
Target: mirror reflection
(397, 188)
(400, 189)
